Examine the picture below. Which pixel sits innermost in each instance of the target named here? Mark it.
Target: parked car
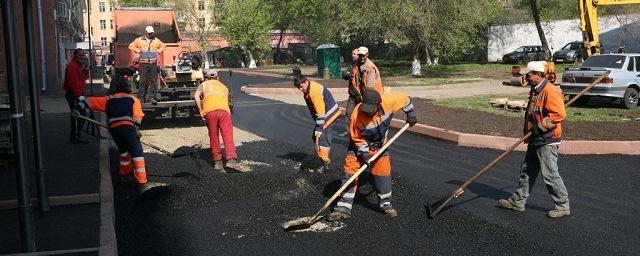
(622, 83)
(524, 54)
(571, 52)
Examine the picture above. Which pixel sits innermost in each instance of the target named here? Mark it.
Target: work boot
(391, 212)
(218, 165)
(557, 213)
(509, 204)
(236, 165)
(149, 185)
(337, 215)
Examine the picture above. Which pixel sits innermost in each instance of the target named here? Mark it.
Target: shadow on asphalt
(485, 191)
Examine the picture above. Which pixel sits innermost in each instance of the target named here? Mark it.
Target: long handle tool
(78, 115)
(434, 209)
(306, 223)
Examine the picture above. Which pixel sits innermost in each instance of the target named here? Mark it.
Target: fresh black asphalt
(204, 212)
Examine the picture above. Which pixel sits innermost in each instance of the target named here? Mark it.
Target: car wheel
(631, 97)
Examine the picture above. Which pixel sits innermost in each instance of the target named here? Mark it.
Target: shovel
(306, 223)
(78, 115)
(434, 209)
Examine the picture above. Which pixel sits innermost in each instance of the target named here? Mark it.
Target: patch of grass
(396, 81)
(597, 112)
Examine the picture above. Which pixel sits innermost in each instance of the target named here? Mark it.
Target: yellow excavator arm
(589, 22)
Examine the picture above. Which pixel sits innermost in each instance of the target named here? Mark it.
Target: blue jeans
(541, 159)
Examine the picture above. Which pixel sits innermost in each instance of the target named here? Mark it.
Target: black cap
(370, 101)
(120, 84)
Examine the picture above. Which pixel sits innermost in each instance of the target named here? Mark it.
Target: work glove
(81, 106)
(317, 134)
(548, 123)
(411, 120)
(346, 75)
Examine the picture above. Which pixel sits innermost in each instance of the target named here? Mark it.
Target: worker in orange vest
(216, 105)
(370, 122)
(124, 116)
(324, 110)
(148, 47)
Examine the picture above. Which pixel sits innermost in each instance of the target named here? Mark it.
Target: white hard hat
(533, 66)
(211, 73)
(149, 29)
(363, 50)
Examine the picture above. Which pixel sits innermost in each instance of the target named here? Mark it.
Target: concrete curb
(108, 241)
(259, 73)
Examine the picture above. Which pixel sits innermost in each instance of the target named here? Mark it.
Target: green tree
(246, 25)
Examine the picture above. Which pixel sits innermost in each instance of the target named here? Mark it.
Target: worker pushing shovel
(124, 114)
(368, 130)
(324, 110)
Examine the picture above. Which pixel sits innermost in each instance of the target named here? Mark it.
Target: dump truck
(180, 64)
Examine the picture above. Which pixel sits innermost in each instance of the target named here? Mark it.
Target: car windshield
(604, 61)
(520, 49)
(572, 46)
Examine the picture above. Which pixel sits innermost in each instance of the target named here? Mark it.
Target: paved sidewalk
(77, 218)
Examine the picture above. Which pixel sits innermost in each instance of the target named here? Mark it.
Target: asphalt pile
(207, 212)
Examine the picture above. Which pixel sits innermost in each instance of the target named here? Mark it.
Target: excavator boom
(589, 22)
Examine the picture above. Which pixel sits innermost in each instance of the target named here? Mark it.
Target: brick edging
(108, 241)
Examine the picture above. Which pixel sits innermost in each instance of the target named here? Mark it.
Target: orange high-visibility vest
(215, 96)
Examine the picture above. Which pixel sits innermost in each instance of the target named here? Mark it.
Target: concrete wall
(614, 32)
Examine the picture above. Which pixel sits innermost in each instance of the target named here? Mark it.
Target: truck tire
(631, 97)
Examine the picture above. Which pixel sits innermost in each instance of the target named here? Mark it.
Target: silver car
(622, 83)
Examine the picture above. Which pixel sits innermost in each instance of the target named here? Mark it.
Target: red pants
(219, 121)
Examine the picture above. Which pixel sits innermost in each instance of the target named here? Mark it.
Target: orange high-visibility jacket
(323, 107)
(144, 44)
(366, 76)
(371, 132)
(215, 95)
(545, 102)
(121, 109)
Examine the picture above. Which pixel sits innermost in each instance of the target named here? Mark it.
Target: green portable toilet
(328, 57)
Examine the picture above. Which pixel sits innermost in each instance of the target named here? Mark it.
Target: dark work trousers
(76, 123)
(148, 81)
(127, 140)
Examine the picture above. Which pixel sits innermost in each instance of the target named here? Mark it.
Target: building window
(201, 5)
(103, 41)
(103, 24)
(111, 24)
(101, 6)
(201, 22)
(110, 7)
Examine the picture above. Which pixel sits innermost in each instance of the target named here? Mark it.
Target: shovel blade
(298, 224)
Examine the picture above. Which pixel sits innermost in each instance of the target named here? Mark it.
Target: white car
(622, 83)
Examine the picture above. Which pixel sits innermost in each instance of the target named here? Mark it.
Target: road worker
(75, 74)
(148, 48)
(544, 115)
(324, 110)
(216, 105)
(124, 116)
(370, 122)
